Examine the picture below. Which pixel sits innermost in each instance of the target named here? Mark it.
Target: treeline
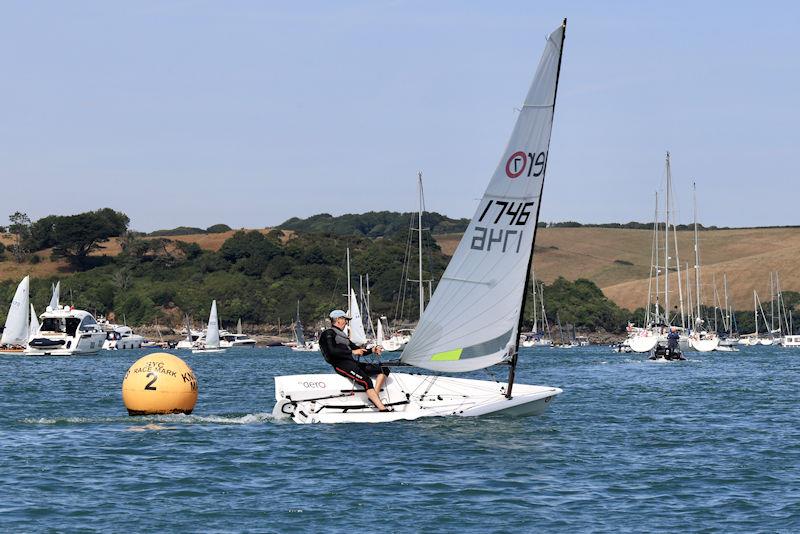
(190, 230)
(374, 224)
(259, 276)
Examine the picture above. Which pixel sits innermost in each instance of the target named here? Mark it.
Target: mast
(658, 269)
(678, 272)
(690, 308)
(533, 287)
(755, 311)
(727, 307)
(653, 262)
(513, 369)
(419, 230)
(771, 303)
(696, 252)
(349, 289)
(667, 320)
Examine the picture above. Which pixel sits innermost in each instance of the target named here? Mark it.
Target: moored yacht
(66, 331)
(227, 340)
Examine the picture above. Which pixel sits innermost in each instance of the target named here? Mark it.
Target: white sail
(212, 333)
(239, 327)
(33, 328)
(472, 319)
(379, 334)
(16, 329)
(357, 333)
(54, 300)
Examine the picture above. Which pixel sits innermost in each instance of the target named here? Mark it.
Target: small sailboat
(390, 344)
(474, 316)
(211, 341)
(16, 332)
(300, 343)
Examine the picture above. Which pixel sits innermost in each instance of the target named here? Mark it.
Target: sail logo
(534, 162)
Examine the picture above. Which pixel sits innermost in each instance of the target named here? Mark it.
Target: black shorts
(359, 372)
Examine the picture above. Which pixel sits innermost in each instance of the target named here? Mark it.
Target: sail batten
(472, 320)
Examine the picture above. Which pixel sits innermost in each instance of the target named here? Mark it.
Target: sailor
(672, 340)
(340, 352)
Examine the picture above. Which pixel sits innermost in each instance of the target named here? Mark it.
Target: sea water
(712, 443)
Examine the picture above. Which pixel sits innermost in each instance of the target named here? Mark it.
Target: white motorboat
(239, 339)
(210, 343)
(473, 318)
(119, 337)
(791, 341)
(66, 331)
(17, 330)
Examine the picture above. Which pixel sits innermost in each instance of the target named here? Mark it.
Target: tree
(20, 227)
(77, 236)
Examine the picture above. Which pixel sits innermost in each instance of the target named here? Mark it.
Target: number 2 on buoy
(153, 381)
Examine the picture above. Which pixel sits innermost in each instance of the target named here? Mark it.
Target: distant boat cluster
(63, 330)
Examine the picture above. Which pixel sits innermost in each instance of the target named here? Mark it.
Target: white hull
(642, 343)
(87, 343)
(330, 398)
(704, 345)
(203, 351)
(129, 342)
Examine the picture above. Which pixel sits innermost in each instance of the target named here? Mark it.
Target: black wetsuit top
(338, 351)
(335, 346)
(672, 340)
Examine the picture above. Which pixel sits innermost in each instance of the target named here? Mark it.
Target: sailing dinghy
(473, 319)
(16, 332)
(211, 343)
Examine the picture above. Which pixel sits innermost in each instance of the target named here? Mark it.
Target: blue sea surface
(710, 444)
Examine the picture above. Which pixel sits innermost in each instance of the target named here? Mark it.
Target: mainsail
(55, 298)
(33, 329)
(472, 320)
(16, 327)
(357, 333)
(212, 333)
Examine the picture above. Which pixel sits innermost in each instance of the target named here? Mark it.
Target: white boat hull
(86, 343)
(704, 345)
(330, 398)
(642, 343)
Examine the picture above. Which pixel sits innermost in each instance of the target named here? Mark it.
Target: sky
(249, 113)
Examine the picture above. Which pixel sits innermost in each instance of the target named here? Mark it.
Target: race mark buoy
(159, 383)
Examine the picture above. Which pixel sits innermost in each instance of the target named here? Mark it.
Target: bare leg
(379, 382)
(373, 396)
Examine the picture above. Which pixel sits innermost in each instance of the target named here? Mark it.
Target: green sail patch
(449, 355)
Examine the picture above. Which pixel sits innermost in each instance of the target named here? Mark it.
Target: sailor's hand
(359, 352)
(377, 350)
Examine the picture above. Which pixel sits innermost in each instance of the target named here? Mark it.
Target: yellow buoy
(159, 383)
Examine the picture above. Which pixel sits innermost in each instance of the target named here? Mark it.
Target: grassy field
(617, 260)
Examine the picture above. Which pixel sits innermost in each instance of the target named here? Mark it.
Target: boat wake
(154, 422)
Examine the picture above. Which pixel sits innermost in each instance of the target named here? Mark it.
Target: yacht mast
(696, 253)
(349, 289)
(653, 265)
(667, 320)
(419, 235)
(657, 268)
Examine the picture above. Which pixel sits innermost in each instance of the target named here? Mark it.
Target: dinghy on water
(211, 341)
(300, 343)
(17, 330)
(473, 318)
